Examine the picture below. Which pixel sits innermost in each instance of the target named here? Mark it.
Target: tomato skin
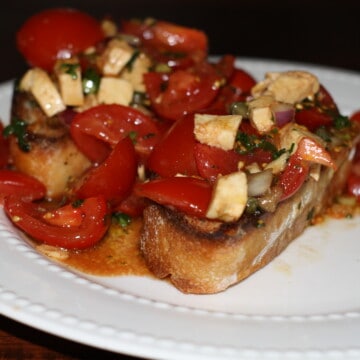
(24, 186)
(56, 33)
(186, 91)
(237, 89)
(187, 194)
(293, 177)
(212, 161)
(132, 205)
(174, 154)
(112, 179)
(166, 36)
(313, 118)
(310, 150)
(29, 217)
(100, 128)
(355, 116)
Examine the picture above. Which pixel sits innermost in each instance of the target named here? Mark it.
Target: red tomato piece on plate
(174, 154)
(187, 194)
(82, 227)
(55, 34)
(113, 178)
(21, 185)
(98, 129)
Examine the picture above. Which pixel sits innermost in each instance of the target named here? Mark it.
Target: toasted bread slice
(202, 256)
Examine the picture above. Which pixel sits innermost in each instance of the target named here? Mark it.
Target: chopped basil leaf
(341, 122)
(121, 219)
(18, 128)
(130, 63)
(77, 203)
(70, 69)
(90, 81)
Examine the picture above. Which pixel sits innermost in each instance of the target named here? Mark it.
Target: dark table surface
(317, 32)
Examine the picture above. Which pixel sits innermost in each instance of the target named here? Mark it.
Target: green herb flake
(310, 214)
(90, 81)
(133, 136)
(77, 203)
(121, 219)
(341, 122)
(130, 63)
(18, 128)
(70, 69)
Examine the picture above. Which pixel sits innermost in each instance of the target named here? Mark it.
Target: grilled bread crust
(203, 257)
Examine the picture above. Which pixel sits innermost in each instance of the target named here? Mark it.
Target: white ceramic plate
(304, 305)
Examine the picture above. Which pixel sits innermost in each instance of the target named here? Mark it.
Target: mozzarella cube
(135, 75)
(38, 82)
(115, 57)
(229, 197)
(217, 130)
(115, 91)
(69, 77)
(260, 113)
(289, 87)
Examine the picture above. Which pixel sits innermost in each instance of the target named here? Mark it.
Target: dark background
(317, 32)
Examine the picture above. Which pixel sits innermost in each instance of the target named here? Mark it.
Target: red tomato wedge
(174, 154)
(186, 91)
(97, 130)
(89, 227)
(55, 34)
(24, 186)
(309, 150)
(212, 161)
(166, 36)
(113, 178)
(294, 175)
(190, 195)
(313, 118)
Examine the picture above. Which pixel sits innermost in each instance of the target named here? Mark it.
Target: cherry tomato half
(114, 177)
(166, 36)
(294, 175)
(187, 194)
(174, 154)
(24, 186)
(99, 128)
(186, 91)
(35, 220)
(56, 34)
(353, 185)
(212, 161)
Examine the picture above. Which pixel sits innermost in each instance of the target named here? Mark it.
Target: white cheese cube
(229, 197)
(38, 82)
(217, 130)
(289, 87)
(135, 75)
(116, 55)
(115, 91)
(69, 77)
(260, 113)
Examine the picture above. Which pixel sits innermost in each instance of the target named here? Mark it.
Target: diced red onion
(283, 113)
